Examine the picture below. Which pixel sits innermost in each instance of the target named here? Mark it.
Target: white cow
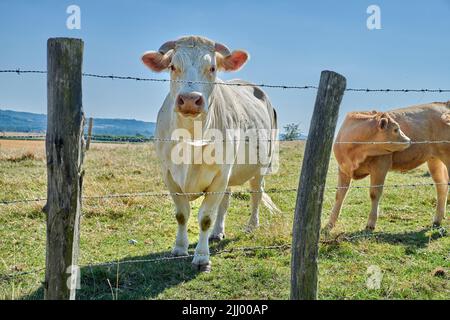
(195, 102)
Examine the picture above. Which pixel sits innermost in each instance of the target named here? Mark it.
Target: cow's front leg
(182, 212)
(206, 218)
(182, 216)
(379, 170)
(341, 191)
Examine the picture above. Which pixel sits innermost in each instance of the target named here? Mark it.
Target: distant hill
(14, 121)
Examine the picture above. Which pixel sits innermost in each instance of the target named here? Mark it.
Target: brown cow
(428, 122)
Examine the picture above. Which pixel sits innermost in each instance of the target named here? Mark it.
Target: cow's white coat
(244, 108)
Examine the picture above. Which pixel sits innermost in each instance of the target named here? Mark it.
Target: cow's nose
(190, 104)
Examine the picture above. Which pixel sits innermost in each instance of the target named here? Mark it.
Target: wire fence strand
(18, 71)
(205, 141)
(156, 260)
(325, 240)
(189, 194)
(155, 194)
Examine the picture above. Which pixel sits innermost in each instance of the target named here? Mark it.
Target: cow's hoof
(370, 229)
(201, 259)
(251, 227)
(203, 267)
(436, 225)
(179, 252)
(216, 237)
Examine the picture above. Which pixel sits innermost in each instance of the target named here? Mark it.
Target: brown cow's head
(194, 61)
(388, 130)
(364, 128)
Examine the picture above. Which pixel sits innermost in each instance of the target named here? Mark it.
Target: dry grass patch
(22, 150)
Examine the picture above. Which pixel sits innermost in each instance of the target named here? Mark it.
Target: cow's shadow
(411, 240)
(136, 278)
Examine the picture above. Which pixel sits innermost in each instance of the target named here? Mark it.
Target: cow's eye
(172, 67)
(212, 69)
(396, 130)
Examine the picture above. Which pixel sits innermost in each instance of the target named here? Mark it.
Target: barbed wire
(394, 142)
(399, 90)
(19, 71)
(263, 85)
(159, 259)
(269, 191)
(325, 240)
(410, 185)
(17, 201)
(155, 194)
(114, 77)
(21, 273)
(305, 140)
(203, 141)
(21, 137)
(171, 257)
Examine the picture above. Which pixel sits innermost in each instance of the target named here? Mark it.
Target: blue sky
(290, 42)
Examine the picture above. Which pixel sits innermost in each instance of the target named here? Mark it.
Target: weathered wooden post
(64, 149)
(88, 142)
(306, 229)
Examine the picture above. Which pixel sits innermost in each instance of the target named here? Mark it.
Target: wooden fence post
(306, 229)
(64, 150)
(88, 143)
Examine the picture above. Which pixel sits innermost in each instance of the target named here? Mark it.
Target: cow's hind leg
(218, 232)
(439, 173)
(256, 188)
(343, 184)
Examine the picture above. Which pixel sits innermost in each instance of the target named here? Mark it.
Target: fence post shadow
(138, 280)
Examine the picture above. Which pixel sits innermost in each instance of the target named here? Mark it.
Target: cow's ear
(383, 123)
(156, 61)
(233, 62)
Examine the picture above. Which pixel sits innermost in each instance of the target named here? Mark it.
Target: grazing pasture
(414, 259)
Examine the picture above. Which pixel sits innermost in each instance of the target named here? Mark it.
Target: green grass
(403, 246)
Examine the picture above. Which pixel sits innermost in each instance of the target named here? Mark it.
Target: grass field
(414, 260)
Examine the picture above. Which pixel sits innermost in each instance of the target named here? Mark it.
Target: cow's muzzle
(190, 104)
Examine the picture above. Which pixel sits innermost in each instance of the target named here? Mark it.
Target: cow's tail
(269, 204)
(274, 143)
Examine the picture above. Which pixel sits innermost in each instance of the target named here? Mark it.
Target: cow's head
(389, 130)
(194, 61)
(378, 127)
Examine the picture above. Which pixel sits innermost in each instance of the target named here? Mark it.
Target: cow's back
(426, 124)
(248, 103)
